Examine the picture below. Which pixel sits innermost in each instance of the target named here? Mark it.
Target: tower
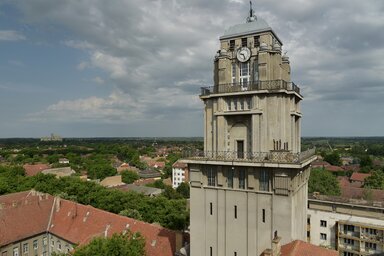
(249, 185)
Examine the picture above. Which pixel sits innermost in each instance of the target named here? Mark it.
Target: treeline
(170, 213)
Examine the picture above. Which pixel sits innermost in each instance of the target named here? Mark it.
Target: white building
(179, 173)
(353, 227)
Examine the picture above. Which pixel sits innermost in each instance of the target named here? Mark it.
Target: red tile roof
(33, 169)
(354, 191)
(357, 176)
(74, 222)
(333, 168)
(16, 212)
(179, 165)
(300, 248)
(316, 164)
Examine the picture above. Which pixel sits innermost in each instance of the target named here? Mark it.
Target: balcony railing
(266, 157)
(271, 85)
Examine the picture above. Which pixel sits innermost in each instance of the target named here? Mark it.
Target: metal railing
(267, 157)
(271, 85)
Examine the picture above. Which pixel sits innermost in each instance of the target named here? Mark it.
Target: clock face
(243, 54)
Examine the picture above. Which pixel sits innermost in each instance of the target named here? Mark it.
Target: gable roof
(357, 176)
(13, 211)
(33, 169)
(73, 222)
(301, 248)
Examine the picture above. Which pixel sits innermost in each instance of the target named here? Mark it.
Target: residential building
(353, 227)
(112, 181)
(249, 185)
(34, 223)
(179, 173)
(148, 191)
(358, 178)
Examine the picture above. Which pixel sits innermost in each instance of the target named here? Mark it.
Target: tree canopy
(323, 182)
(375, 181)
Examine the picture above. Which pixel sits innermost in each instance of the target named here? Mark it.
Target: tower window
(323, 236)
(231, 45)
(235, 211)
(242, 179)
(264, 180)
(263, 216)
(210, 251)
(233, 72)
(210, 208)
(256, 41)
(243, 42)
(244, 73)
(230, 178)
(211, 177)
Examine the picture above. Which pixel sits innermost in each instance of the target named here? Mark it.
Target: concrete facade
(249, 186)
(353, 228)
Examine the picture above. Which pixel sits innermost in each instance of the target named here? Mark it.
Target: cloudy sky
(86, 68)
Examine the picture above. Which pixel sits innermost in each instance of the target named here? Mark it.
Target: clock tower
(249, 185)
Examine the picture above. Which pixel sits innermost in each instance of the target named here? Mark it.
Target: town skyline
(134, 69)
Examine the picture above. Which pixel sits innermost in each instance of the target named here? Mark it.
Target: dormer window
(243, 42)
(231, 45)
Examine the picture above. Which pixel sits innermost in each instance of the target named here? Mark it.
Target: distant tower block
(249, 185)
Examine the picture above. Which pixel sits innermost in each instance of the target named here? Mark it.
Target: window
(52, 242)
(235, 254)
(244, 73)
(309, 221)
(231, 45)
(256, 70)
(323, 236)
(349, 241)
(243, 42)
(210, 251)
(45, 241)
(372, 246)
(25, 248)
(349, 228)
(235, 211)
(210, 208)
(230, 178)
(264, 180)
(211, 177)
(256, 41)
(233, 72)
(16, 251)
(35, 245)
(263, 216)
(308, 234)
(58, 245)
(242, 179)
(323, 223)
(348, 254)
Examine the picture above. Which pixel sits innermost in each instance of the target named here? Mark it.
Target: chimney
(276, 246)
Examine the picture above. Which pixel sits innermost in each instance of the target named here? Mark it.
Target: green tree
(132, 213)
(333, 158)
(183, 189)
(129, 176)
(323, 182)
(365, 161)
(129, 244)
(375, 181)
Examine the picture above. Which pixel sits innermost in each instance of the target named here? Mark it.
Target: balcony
(272, 85)
(285, 157)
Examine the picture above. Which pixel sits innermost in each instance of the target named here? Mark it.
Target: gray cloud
(158, 53)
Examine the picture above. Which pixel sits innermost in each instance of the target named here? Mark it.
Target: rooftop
(301, 248)
(73, 222)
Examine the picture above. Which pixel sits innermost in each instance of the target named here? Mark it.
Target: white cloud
(11, 35)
